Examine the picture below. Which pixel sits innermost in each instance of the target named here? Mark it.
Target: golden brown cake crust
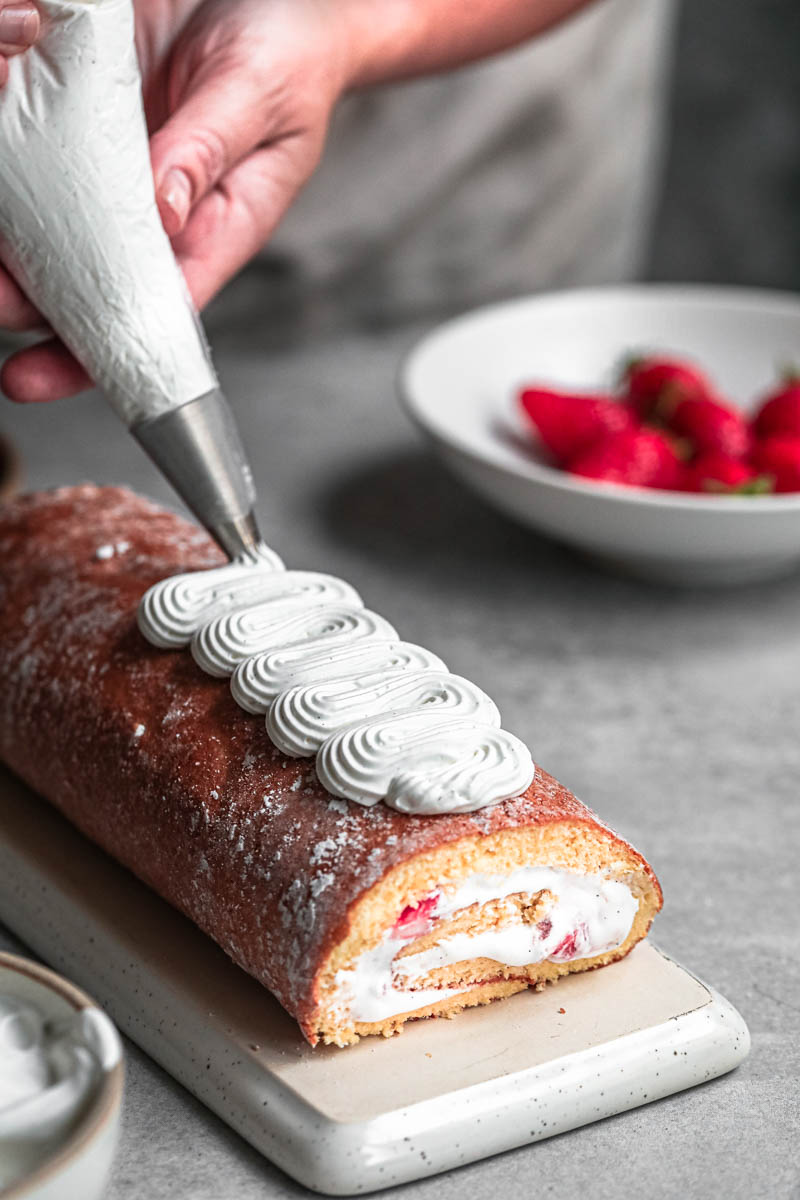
(155, 761)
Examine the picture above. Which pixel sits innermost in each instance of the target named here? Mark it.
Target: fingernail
(19, 26)
(176, 197)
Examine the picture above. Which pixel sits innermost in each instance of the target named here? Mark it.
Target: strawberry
(648, 380)
(780, 411)
(573, 945)
(568, 423)
(416, 919)
(779, 456)
(639, 457)
(711, 472)
(711, 426)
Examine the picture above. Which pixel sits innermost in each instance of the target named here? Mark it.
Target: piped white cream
(259, 683)
(171, 612)
(385, 718)
(302, 718)
(295, 615)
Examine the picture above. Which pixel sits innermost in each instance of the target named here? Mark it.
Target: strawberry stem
(627, 364)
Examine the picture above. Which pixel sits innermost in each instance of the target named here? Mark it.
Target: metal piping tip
(198, 448)
(238, 536)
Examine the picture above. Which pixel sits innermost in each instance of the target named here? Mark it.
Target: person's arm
(423, 37)
(241, 106)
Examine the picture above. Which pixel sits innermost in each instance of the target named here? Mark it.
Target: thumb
(218, 121)
(19, 29)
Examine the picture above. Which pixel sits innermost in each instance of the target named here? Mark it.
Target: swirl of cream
(220, 645)
(386, 719)
(254, 686)
(425, 762)
(260, 678)
(171, 611)
(303, 717)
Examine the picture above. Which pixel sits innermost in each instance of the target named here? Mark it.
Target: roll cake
(375, 899)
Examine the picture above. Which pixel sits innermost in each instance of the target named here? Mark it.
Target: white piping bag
(80, 231)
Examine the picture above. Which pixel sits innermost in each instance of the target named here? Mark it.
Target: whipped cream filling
(589, 915)
(385, 718)
(48, 1073)
(79, 226)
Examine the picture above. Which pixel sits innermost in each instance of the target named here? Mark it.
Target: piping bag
(81, 233)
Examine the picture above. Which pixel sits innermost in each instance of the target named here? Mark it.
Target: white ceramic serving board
(382, 1112)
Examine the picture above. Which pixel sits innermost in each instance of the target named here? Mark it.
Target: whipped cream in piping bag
(79, 227)
(385, 718)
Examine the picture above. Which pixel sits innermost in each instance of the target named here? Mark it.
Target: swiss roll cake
(341, 812)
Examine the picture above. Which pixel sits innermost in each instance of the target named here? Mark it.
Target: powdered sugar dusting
(242, 839)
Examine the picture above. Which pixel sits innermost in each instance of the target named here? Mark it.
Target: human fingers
(46, 371)
(220, 118)
(16, 310)
(234, 221)
(19, 27)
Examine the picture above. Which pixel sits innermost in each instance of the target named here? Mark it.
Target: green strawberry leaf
(761, 485)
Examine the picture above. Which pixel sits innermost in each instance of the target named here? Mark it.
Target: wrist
(378, 50)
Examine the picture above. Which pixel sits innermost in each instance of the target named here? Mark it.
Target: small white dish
(459, 385)
(77, 1164)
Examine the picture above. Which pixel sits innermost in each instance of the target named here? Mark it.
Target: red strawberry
(712, 472)
(640, 457)
(415, 920)
(780, 411)
(648, 380)
(569, 423)
(710, 425)
(572, 946)
(779, 456)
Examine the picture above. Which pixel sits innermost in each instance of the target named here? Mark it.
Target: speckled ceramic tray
(382, 1112)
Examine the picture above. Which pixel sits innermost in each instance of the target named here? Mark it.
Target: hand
(238, 94)
(19, 29)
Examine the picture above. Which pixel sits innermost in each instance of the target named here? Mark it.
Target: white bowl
(459, 385)
(78, 1166)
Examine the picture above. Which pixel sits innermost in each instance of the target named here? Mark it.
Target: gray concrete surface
(674, 713)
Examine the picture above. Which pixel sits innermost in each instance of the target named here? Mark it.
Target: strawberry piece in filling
(572, 946)
(416, 919)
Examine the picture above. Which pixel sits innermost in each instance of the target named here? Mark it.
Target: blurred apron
(535, 169)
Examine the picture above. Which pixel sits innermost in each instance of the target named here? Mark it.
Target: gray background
(674, 713)
(730, 210)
